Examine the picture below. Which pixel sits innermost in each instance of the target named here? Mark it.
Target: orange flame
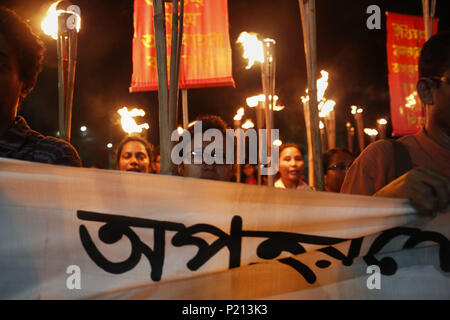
(129, 125)
(253, 48)
(50, 23)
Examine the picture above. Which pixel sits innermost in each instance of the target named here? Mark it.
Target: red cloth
(405, 38)
(375, 167)
(205, 52)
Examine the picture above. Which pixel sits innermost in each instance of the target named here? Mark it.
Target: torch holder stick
(307, 12)
(268, 84)
(167, 108)
(67, 42)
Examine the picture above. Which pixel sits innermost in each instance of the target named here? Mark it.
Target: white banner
(70, 233)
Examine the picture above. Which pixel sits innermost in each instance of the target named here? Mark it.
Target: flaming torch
(237, 126)
(357, 113)
(381, 126)
(62, 23)
(129, 125)
(326, 111)
(350, 137)
(372, 133)
(262, 51)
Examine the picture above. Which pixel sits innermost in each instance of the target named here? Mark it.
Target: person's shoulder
(55, 151)
(382, 147)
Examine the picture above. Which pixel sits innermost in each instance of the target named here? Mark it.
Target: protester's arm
(428, 190)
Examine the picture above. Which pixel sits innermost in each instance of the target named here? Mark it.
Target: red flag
(405, 38)
(205, 53)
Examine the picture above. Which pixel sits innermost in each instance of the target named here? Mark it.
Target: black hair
(435, 55)
(326, 157)
(148, 147)
(290, 145)
(28, 46)
(210, 121)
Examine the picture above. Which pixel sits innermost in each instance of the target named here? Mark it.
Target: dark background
(354, 56)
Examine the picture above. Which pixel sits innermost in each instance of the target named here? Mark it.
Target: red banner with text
(405, 38)
(205, 53)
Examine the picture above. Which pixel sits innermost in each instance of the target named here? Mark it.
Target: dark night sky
(354, 56)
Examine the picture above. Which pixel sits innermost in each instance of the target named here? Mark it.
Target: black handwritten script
(388, 266)
(275, 243)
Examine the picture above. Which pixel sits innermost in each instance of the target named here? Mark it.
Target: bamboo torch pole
(307, 12)
(428, 16)
(268, 84)
(167, 100)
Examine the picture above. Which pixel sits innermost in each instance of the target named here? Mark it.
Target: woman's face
(134, 157)
(291, 164)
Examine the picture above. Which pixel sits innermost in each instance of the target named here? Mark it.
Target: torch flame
(255, 100)
(50, 23)
(321, 125)
(356, 110)
(253, 48)
(382, 121)
(129, 125)
(322, 85)
(370, 132)
(326, 107)
(239, 114)
(248, 124)
(277, 142)
(411, 100)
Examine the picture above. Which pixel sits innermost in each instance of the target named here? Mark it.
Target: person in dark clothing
(21, 55)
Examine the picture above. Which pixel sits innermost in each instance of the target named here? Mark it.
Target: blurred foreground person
(21, 55)
(416, 167)
(134, 154)
(292, 168)
(213, 171)
(335, 165)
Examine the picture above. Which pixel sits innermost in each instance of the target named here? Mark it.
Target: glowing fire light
(411, 100)
(239, 114)
(381, 121)
(253, 101)
(129, 125)
(322, 85)
(248, 124)
(356, 110)
(50, 23)
(326, 107)
(277, 142)
(321, 125)
(370, 132)
(253, 48)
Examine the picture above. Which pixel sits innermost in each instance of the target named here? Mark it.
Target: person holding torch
(21, 56)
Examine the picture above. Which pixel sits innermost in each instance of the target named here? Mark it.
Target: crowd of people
(416, 167)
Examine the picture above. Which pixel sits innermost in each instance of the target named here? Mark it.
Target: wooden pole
(185, 105)
(259, 124)
(307, 12)
(167, 109)
(428, 16)
(67, 55)
(268, 84)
